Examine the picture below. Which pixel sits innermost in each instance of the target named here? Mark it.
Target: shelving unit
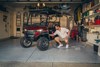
(18, 24)
(94, 15)
(93, 8)
(90, 10)
(89, 14)
(96, 25)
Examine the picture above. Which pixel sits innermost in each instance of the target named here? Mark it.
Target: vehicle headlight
(40, 30)
(25, 29)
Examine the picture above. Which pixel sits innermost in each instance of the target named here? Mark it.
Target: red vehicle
(38, 32)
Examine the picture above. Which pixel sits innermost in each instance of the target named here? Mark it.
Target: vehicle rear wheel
(26, 43)
(43, 43)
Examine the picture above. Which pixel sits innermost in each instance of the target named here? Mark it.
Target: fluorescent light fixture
(38, 4)
(44, 4)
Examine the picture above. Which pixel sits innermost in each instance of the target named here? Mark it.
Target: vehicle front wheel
(26, 43)
(43, 43)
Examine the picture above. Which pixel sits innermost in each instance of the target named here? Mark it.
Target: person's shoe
(67, 46)
(60, 45)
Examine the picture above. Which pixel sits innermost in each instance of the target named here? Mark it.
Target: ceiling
(46, 1)
(20, 3)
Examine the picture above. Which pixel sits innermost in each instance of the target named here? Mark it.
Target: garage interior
(75, 14)
(19, 8)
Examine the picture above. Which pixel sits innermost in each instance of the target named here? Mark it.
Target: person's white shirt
(62, 33)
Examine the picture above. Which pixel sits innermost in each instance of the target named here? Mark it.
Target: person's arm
(51, 34)
(55, 33)
(68, 32)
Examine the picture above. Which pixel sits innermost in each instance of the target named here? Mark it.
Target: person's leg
(66, 41)
(57, 39)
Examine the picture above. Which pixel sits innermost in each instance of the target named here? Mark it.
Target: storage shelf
(94, 7)
(94, 15)
(96, 25)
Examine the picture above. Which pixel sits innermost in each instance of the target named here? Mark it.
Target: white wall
(4, 31)
(63, 21)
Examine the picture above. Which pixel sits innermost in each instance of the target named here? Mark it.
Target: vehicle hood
(36, 28)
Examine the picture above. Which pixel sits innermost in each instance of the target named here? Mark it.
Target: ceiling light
(44, 4)
(38, 4)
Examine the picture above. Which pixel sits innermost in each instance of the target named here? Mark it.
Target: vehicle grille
(30, 33)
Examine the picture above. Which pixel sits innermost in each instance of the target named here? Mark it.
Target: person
(63, 35)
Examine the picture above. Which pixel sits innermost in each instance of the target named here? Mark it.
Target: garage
(26, 28)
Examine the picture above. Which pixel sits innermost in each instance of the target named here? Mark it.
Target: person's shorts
(62, 39)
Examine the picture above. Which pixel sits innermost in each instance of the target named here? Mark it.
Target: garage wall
(4, 25)
(7, 26)
(64, 21)
(10, 29)
(12, 25)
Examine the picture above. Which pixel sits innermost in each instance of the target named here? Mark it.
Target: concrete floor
(11, 51)
(78, 55)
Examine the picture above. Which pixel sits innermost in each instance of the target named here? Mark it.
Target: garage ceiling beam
(40, 2)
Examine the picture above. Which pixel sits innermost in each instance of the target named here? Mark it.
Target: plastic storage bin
(97, 20)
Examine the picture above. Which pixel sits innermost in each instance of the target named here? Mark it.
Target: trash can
(96, 46)
(84, 34)
(99, 50)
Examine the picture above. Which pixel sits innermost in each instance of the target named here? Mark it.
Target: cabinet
(18, 24)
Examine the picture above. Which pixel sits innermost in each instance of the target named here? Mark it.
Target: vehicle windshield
(34, 19)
